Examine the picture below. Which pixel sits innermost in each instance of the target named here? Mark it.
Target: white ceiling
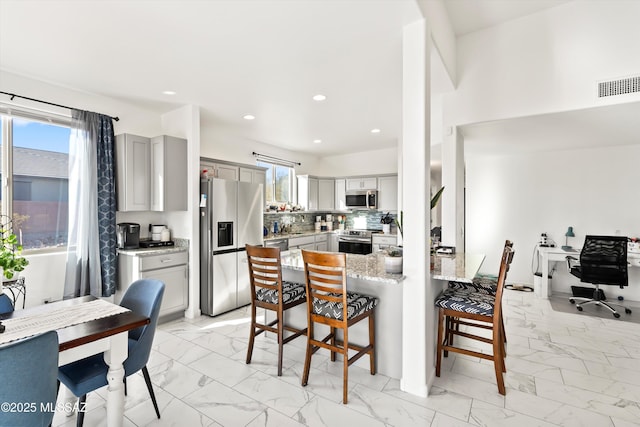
(472, 15)
(260, 57)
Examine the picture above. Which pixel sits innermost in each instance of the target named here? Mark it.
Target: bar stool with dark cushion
(270, 292)
(329, 303)
(474, 310)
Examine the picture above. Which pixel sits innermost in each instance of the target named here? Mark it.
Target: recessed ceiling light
(317, 141)
(319, 97)
(376, 130)
(168, 92)
(248, 117)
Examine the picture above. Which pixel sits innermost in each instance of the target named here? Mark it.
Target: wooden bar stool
(329, 303)
(268, 291)
(475, 310)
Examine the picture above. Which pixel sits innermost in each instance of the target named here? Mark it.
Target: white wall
(542, 63)
(218, 144)
(518, 197)
(44, 278)
(132, 120)
(442, 35)
(545, 62)
(185, 122)
(372, 162)
(222, 145)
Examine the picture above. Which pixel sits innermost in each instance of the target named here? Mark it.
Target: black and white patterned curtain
(91, 256)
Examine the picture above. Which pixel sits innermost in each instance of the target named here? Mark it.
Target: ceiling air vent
(619, 87)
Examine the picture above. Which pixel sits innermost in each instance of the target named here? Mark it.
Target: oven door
(362, 247)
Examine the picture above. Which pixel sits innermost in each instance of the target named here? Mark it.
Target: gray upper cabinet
(308, 192)
(388, 193)
(326, 190)
(316, 193)
(340, 193)
(368, 183)
(168, 174)
(133, 172)
(151, 173)
(256, 176)
(227, 172)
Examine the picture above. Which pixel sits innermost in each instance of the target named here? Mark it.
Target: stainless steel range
(355, 241)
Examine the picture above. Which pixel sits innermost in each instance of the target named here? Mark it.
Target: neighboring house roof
(40, 163)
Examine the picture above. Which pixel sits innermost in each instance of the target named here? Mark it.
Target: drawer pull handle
(165, 260)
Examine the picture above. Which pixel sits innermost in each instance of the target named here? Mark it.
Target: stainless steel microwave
(361, 199)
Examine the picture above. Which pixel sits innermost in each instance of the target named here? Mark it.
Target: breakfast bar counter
(366, 267)
(366, 275)
(461, 267)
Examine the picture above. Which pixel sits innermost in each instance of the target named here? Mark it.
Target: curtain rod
(13, 95)
(264, 156)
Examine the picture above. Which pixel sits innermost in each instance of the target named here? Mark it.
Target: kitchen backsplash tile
(300, 222)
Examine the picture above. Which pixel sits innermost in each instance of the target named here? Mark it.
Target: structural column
(453, 195)
(418, 326)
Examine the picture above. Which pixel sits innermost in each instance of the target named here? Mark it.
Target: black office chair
(603, 261)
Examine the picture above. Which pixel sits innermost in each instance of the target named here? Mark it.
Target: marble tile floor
(564, 369)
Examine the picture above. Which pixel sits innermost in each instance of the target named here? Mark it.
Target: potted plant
(11, 259)
(393, 260)
(399, 223)
(386, 222)
(434, 201)
(436, 197)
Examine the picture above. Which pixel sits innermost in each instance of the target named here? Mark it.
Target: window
(36, 197)
(279, 183)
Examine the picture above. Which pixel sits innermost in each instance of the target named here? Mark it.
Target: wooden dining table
(108, 335)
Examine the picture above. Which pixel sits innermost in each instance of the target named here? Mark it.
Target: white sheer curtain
(83, 276)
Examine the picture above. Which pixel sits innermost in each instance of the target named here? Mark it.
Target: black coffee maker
(128, 235)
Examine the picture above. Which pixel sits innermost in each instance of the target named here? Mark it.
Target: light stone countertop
(272, 236)
(180, 245)
(366, 267)
(153, 251)
(461, 267)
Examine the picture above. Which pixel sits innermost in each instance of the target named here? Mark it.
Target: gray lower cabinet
(304, 242)
(321, 242)
(171, 268)
(316, 242)
(333, 243)
(383, 241)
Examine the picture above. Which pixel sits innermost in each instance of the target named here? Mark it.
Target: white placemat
(57, 319)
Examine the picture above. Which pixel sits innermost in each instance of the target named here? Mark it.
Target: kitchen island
(366, 275)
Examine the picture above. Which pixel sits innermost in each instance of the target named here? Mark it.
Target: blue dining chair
(6, 305)
(28, 371)
(142, 297)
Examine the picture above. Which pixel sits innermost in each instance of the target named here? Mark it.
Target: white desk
(548, 255)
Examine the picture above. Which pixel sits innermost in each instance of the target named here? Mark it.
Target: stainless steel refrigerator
(230, 217)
